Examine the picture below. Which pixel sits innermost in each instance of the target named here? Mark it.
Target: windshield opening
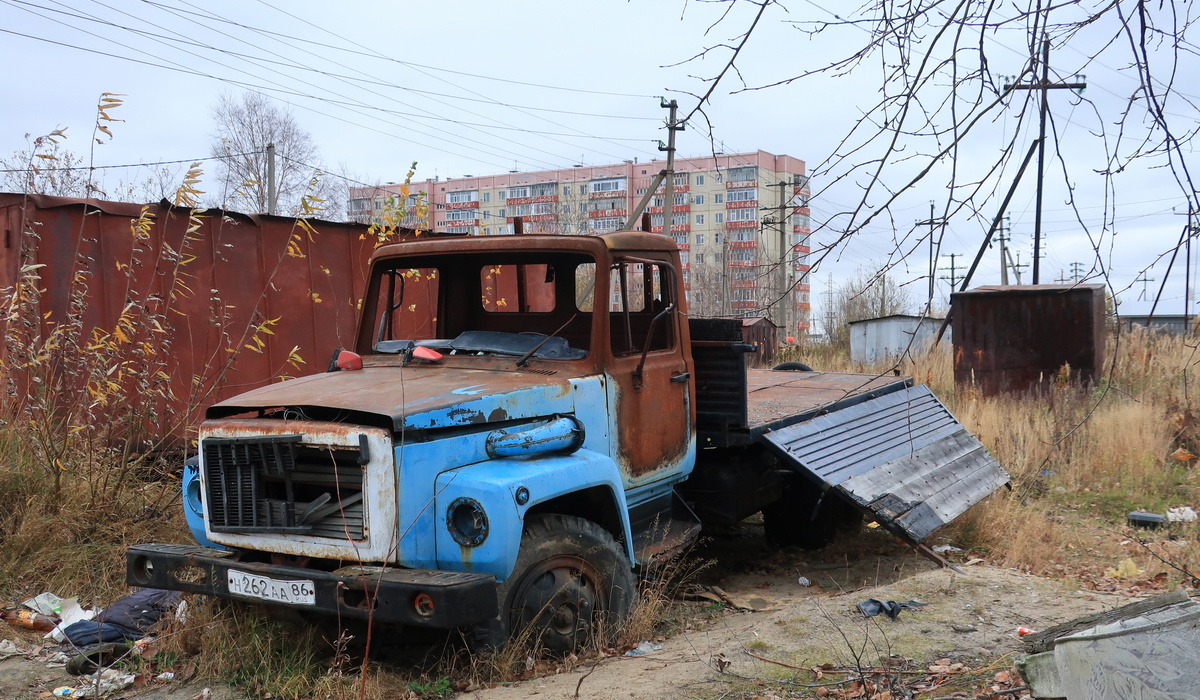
(485, 304)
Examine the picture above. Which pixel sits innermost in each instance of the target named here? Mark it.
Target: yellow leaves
(108, 101)
(188, 193)
(294, 358)
(325, 270)
(315, 297)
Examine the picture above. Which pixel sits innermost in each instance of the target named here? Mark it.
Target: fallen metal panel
(901, 457)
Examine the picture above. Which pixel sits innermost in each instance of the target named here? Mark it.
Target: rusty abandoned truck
(524, 423)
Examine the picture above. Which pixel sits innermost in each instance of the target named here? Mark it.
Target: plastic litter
(1147, 520)
(29, 620)
(943, 548)
(71, 613)
(873, 606)
(803, 581)
(8, 648)
(165, 676)
(1182, 514)
(644, 648)
(1022, 631)
(46, 604)
(66, 691)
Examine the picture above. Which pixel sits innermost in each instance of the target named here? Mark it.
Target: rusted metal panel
(234, 273)
(901, 457)
(762, 334)
(1017, 339)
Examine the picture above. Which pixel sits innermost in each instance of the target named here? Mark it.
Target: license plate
(299, 592)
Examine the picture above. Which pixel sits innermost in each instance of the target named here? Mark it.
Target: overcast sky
(478, 87)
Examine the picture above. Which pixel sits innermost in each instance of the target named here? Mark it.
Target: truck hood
(415, 398)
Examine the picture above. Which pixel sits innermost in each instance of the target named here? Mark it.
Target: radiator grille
(278, 484)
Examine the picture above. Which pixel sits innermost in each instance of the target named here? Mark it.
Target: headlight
(467, 522)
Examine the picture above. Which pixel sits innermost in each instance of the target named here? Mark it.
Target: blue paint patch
(494, 484)
(193, 509)
(468, 390)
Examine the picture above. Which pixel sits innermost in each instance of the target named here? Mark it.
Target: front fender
(498, 486)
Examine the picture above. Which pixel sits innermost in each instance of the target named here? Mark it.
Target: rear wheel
(792, 367)
(803, 519)
(572, 585)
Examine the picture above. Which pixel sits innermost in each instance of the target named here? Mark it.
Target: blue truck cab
(522, 423)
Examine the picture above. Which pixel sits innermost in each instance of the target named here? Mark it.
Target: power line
(278, 87)
(377, 55)
(133, 165)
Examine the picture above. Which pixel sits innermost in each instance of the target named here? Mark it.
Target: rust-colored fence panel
(1017, 339)
(215, 278)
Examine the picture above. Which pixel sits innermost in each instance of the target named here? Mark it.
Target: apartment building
(741, 221)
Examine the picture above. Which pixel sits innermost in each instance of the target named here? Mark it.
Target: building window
(700, 197)
(642, 190)
(699, 181)
(741, 214)
(743, 235)
(500, 195)
(699, 258)
(607, 223)
(699, 239)
(486, 213)
(464, 196)
(743, 195)
(458, 229)
(583, 189)
(616, 184)
(487, 196)
(566, 208)
(460, 215)
(566, 190)
(501, 213)
(699, 218)
(748, 172)
(718, 218)
(516, 192)
(718, 239)
(680, 179)
(582, 208)
(566, 228)
(683, 257)
(718, 198)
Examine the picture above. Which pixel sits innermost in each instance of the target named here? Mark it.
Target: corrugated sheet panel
(234, 273)
(901, 456)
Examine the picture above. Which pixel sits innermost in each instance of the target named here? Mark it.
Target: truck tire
(792, 367)
(572, 585)
(789, 522)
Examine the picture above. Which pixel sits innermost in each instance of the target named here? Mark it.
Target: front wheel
(572, 585)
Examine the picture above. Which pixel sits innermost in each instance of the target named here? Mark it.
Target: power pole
(953, 269)
(1017, 266)
(668, 174)
(1004, 238)
(781, 216)
(1191, 232)
(1076, 272)
(1045, 86)
(1144, 280)
(272, 195)
(931, 223)
(1062, 278)
(829, 317)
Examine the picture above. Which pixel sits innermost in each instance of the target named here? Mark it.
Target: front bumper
(447, 599)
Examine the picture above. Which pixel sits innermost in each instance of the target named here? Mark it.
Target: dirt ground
(744, 620)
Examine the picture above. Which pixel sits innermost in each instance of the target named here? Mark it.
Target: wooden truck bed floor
(778, 399)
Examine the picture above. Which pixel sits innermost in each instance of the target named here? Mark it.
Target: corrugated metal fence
(211, 280)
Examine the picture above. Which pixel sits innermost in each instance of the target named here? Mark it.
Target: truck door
(649, 391)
